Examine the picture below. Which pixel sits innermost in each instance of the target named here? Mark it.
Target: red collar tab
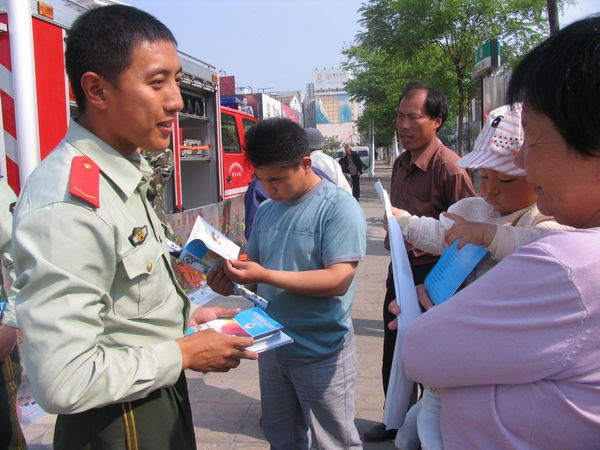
(85, 180)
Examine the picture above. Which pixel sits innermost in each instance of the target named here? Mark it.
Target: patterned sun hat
(498, 143)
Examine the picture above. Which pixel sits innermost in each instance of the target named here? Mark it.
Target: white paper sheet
(399, 387)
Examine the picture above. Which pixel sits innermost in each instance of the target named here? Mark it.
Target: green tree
(434, 40)
(379, 77)
(332, 143)
(374, 82)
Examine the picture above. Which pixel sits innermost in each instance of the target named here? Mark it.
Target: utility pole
(371, 148)
(553, 16)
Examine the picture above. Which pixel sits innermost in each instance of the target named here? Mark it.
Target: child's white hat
(498, 143)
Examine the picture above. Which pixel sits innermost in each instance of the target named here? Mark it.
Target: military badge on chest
(139, 235)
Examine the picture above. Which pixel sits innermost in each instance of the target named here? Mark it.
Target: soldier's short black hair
(277, 141)
(560, 79)
(102, 41)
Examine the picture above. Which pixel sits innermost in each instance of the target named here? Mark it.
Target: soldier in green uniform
(11, 436)
(97, 301)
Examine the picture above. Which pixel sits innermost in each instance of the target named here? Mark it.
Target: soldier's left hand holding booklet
(206, 248)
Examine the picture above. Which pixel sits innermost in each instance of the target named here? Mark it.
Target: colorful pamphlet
(253, 322)
(207, 247)
(176, 251)
(451, 270)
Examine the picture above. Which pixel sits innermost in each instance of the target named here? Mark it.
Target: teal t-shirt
(323, 227)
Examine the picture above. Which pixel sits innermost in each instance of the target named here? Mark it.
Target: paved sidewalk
(226, 406)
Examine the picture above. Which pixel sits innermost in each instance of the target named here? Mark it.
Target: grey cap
(315, 139)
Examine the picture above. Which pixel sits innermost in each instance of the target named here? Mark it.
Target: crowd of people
(512, 360)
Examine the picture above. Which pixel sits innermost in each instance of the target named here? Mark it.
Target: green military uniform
(98, 302)
(11, 436)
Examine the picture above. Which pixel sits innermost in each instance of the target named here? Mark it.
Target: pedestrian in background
(353, 166)
(325, 162)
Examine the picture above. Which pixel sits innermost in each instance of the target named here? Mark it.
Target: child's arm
(510, 238)
(499, 240)
(425, 233)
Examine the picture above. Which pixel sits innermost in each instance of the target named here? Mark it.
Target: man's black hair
(102, 41)
(278, 142)
(560, 79)
(436, 103)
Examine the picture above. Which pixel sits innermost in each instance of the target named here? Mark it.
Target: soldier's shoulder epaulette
(84, 182)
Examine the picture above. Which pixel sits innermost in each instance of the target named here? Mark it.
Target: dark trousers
(161, 421)
(11, 437)
(389, 336)
(355, 186)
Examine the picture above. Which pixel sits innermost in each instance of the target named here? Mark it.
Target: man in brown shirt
(425, 182)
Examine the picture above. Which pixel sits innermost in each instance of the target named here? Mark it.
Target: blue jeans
(310, 405)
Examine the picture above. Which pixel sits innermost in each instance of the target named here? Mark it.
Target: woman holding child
(517, 352)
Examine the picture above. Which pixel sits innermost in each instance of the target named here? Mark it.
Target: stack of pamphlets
(253, 322)
(451, 270)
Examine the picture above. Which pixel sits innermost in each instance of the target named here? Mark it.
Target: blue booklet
(451, 270)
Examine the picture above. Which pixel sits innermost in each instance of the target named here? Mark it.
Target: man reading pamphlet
(306, 242)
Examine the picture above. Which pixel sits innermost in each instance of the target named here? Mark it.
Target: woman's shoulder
(569, 247)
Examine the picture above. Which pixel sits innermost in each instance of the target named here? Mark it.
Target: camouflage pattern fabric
(162, 165)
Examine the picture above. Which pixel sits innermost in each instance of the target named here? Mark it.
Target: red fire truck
(36, 106)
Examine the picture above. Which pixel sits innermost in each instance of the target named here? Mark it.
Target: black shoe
(379, 434)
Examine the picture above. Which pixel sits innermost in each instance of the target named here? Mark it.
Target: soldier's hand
(211, 351)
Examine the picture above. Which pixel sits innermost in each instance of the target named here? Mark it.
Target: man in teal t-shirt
(306, 243)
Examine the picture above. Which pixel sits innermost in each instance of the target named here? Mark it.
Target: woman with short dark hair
(517, 353)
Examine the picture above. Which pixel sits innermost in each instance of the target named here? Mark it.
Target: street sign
(486, 59)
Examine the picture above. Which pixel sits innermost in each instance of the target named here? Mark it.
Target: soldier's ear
(94, 86)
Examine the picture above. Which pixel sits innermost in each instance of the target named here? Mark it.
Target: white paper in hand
(399, 387)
